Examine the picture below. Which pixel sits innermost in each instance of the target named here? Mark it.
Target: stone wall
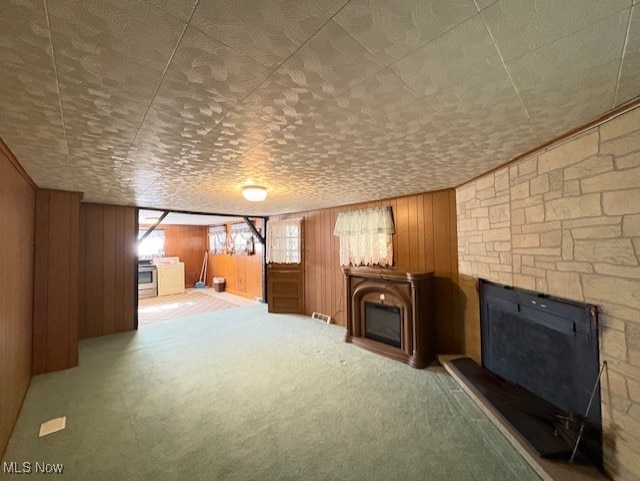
(566, 221)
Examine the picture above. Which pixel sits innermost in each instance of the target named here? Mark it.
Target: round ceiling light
(254, 193)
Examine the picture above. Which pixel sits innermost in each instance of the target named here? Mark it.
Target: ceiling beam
(254, 230)
(153, 227)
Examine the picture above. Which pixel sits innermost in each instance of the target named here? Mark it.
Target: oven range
(147, 279)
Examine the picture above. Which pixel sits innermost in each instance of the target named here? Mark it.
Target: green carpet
(246, 395)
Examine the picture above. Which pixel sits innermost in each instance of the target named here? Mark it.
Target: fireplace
(389, 313)
(540, 370)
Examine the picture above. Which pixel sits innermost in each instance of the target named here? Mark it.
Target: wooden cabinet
(170, 278)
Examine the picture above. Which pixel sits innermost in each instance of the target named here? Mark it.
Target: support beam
(254, 230)
(264, 264)
(153, 227)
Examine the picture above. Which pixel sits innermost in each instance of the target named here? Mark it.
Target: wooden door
(285, 282)
(285, 288)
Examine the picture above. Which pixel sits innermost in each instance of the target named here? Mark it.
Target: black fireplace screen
(546, 345)
(383, 323)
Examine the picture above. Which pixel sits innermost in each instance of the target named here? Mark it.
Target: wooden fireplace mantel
(412, 292)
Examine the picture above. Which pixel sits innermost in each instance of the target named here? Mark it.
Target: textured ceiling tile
(211, 66)
(330, 63)
(331, 7)
(103, 103)
(573, 78)
(183, 112)
(629, 86)
(482, 4)
(488, 110)
(278, 102)
(456, 56)
(520, 26)
(29, 106)
(267, 30)
(390, 30)
(228, 140)
(381, 98)
(133, 31)
(322, 133)
(181, 9)
(109, 63)
(103, 74)
(24, 35)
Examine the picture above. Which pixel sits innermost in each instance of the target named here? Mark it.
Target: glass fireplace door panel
(383, 323)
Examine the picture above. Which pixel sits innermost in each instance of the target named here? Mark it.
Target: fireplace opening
(383, 323)
(540, 369)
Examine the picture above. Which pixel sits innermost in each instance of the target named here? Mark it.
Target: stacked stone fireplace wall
(566, 222)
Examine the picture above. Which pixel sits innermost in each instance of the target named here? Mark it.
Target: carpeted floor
(245, 395)
(191, 303)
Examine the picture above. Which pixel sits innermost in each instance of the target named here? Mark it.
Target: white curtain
(284, 241)
(218, 239)
(366, 237)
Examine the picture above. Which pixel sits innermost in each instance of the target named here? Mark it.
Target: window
(366, 237)
(284, 241)
(218, 239)
(241, 239)
(153, 245)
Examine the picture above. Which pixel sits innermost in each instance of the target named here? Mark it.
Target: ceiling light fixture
(254, 193)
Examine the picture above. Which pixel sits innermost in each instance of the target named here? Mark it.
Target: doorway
(191, 264)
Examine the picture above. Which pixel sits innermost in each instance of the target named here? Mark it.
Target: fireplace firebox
(383, 323)
(540, 357)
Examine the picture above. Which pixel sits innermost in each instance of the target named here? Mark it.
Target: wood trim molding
(610, 115)
(74, 192)
(4, 148)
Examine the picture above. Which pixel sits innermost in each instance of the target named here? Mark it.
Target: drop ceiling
(179, 103)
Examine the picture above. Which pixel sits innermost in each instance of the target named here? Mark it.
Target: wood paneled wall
(55, 299)
(17, 221)
(425, 240)
(108, 269)
(189, 243)
(243, 274)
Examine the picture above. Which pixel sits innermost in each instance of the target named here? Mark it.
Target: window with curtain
(242, 239)
(153, 245)
(366, 237)
(218, 239)
(284, 241)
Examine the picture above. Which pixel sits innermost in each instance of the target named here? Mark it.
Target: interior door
(285, 281)
(285, 288)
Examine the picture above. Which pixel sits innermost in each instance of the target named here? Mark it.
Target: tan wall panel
(243, 274)
(189, 243)
(17, 218)
(55, 321)
(108, 269)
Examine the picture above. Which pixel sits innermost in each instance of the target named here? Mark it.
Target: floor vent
(321, 317)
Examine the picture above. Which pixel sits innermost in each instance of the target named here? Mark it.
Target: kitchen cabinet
(170, 278)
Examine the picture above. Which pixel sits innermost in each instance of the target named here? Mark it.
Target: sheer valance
(366, 221)
(284, 241)
(366, 237)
